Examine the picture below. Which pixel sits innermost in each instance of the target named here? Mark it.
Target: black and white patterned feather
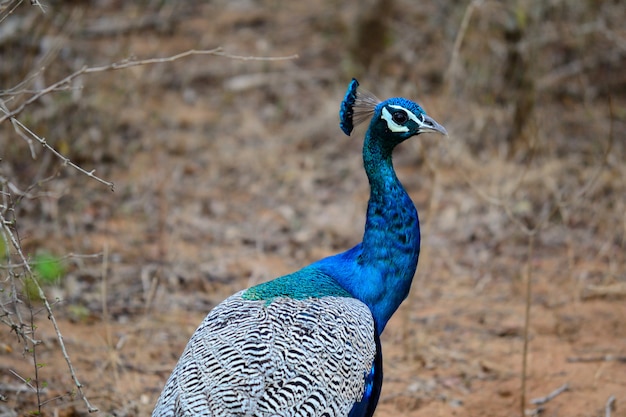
(287, 357)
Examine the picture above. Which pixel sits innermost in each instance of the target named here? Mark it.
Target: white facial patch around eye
(393, 126)
(417, 119)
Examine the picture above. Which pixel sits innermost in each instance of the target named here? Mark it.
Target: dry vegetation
(228, 172)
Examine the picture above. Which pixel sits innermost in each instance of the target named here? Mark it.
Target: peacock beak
(430, 125)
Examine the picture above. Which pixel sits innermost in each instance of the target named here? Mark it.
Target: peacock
(308, 343)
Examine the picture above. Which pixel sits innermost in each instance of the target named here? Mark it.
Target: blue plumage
(308, 343)
(346, 112)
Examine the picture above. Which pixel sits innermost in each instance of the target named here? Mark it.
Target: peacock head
(395, 119)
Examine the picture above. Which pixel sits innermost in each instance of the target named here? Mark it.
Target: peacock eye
(400, 117)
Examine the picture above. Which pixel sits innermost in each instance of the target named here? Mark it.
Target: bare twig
(20, 133)
(77, 383)
(602, 358)
(38, 4)
(128, 63)
(18, 248)
(534, 412)
(34, 354)
(551, 396)
(609, 406)
(453, 67)
(8, 12)
(529, 276)
(150, 280)
(23, 193)
(105, 316)
(24, 380)
(63, 158)
(19, 388)
(616, 290)
(7, 317)
(62, 258)
(28, 134)
(604, 162)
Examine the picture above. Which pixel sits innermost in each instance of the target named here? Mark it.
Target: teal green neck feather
(305, 283)
(377, 271)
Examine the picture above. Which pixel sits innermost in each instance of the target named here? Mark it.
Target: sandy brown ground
(230, 172)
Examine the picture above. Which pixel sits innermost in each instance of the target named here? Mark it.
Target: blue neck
(379, 270)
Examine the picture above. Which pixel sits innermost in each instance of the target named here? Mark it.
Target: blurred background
(231, 171)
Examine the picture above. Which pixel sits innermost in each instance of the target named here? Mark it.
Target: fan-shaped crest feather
(357, 106)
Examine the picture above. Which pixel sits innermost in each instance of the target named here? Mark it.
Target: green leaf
(48, 268)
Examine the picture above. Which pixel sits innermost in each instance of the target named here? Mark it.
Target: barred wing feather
(285, 357)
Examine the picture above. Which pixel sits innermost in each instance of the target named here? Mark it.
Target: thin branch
(605, 157)
(63, 158)
(65, 257)
(24, 380)
(128, 63)
(9, 240)
(105, 312)
(27, 134)
(18, 248)
(36, 365)
(551, 396)
(25, 193)
(20, 132)
(529, 276)
(602, 358)
(77, 383)
(609, 406)
(38, 4)
(8, 13)
(453, 67)
(616, 290)
(250, 57)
